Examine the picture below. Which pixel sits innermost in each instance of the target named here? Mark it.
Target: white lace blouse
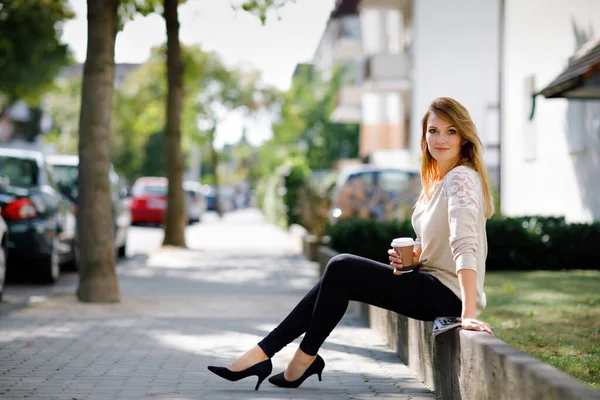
(451, 226)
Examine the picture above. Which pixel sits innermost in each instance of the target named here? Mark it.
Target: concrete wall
(467, 365)
(550, 164)
(456, 54)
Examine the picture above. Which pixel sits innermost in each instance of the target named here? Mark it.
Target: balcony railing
(388, 67)
(347, 39)
(387, 4)
(347, 104)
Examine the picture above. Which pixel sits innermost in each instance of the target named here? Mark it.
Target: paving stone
(182, 310)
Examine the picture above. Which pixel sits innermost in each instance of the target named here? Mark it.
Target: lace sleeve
(463, 189)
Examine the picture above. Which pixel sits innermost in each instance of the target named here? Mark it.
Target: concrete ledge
(469, 365)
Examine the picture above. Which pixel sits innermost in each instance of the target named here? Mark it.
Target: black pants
(416, 295)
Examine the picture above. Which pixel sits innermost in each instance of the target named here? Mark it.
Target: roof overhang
(580, 80)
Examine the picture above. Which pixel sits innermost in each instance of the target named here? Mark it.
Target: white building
(551, 163)
(456, 52)
(493, 56)
(411, 52)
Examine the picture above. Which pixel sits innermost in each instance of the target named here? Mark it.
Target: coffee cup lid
(402, 242)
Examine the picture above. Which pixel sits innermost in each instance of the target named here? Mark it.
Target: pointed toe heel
(316, 367)
(262, 370)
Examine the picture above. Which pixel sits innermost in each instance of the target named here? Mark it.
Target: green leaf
(31, 52)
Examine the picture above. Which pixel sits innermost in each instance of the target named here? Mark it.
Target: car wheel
(50, 266)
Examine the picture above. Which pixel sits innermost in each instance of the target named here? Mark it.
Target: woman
(449, 219)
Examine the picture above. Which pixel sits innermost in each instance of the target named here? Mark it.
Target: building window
(394, 108)
(371, 28)
(373, 108)
(394, 31)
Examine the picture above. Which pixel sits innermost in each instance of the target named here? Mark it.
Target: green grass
(551, 315)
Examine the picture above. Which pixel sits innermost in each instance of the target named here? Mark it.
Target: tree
(97, 274)
(63, 105)
(31, 53)
(175, 216)
(138, 112)
(226, 90)
(305, 120)
(98, 281)
(175, 219)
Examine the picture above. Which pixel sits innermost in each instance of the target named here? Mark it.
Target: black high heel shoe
(315, 368)
(262, 370)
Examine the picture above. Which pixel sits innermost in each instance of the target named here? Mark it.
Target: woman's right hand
(395, 262)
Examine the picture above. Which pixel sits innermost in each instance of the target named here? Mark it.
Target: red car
(149, 200)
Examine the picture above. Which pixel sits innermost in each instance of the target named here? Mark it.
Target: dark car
(3, 254)
(40, 219)
(66, 171)
(372, 192)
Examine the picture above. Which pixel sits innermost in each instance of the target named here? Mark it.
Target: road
(141, 240)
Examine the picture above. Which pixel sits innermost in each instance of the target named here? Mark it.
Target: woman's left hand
(472, 324)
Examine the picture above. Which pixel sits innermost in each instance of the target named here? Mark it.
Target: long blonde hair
(471, 153)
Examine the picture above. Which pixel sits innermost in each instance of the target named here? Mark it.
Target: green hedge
(524, 243)
(278, 194)
(367, 238)
(270, 199)
(294, 172)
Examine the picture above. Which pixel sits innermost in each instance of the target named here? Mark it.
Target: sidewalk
(182, 310)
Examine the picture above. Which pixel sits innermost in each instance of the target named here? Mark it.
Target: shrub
(294, 172)
(271, 200)
(524, 243)
(367, 238)
(313, 208)
(278, 193)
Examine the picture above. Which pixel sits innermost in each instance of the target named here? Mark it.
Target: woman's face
(443, 141)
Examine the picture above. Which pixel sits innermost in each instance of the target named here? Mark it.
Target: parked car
(372, 192)
(195, 204)
(3, 254)
(66, 170)
(40, 219)
(149, 200)
(227, 199)
(209, 193)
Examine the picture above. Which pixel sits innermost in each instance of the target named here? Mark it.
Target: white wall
(455, 54)
(551, 165)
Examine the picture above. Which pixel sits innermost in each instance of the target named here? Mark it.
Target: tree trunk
(175, 219)
(97, 273)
